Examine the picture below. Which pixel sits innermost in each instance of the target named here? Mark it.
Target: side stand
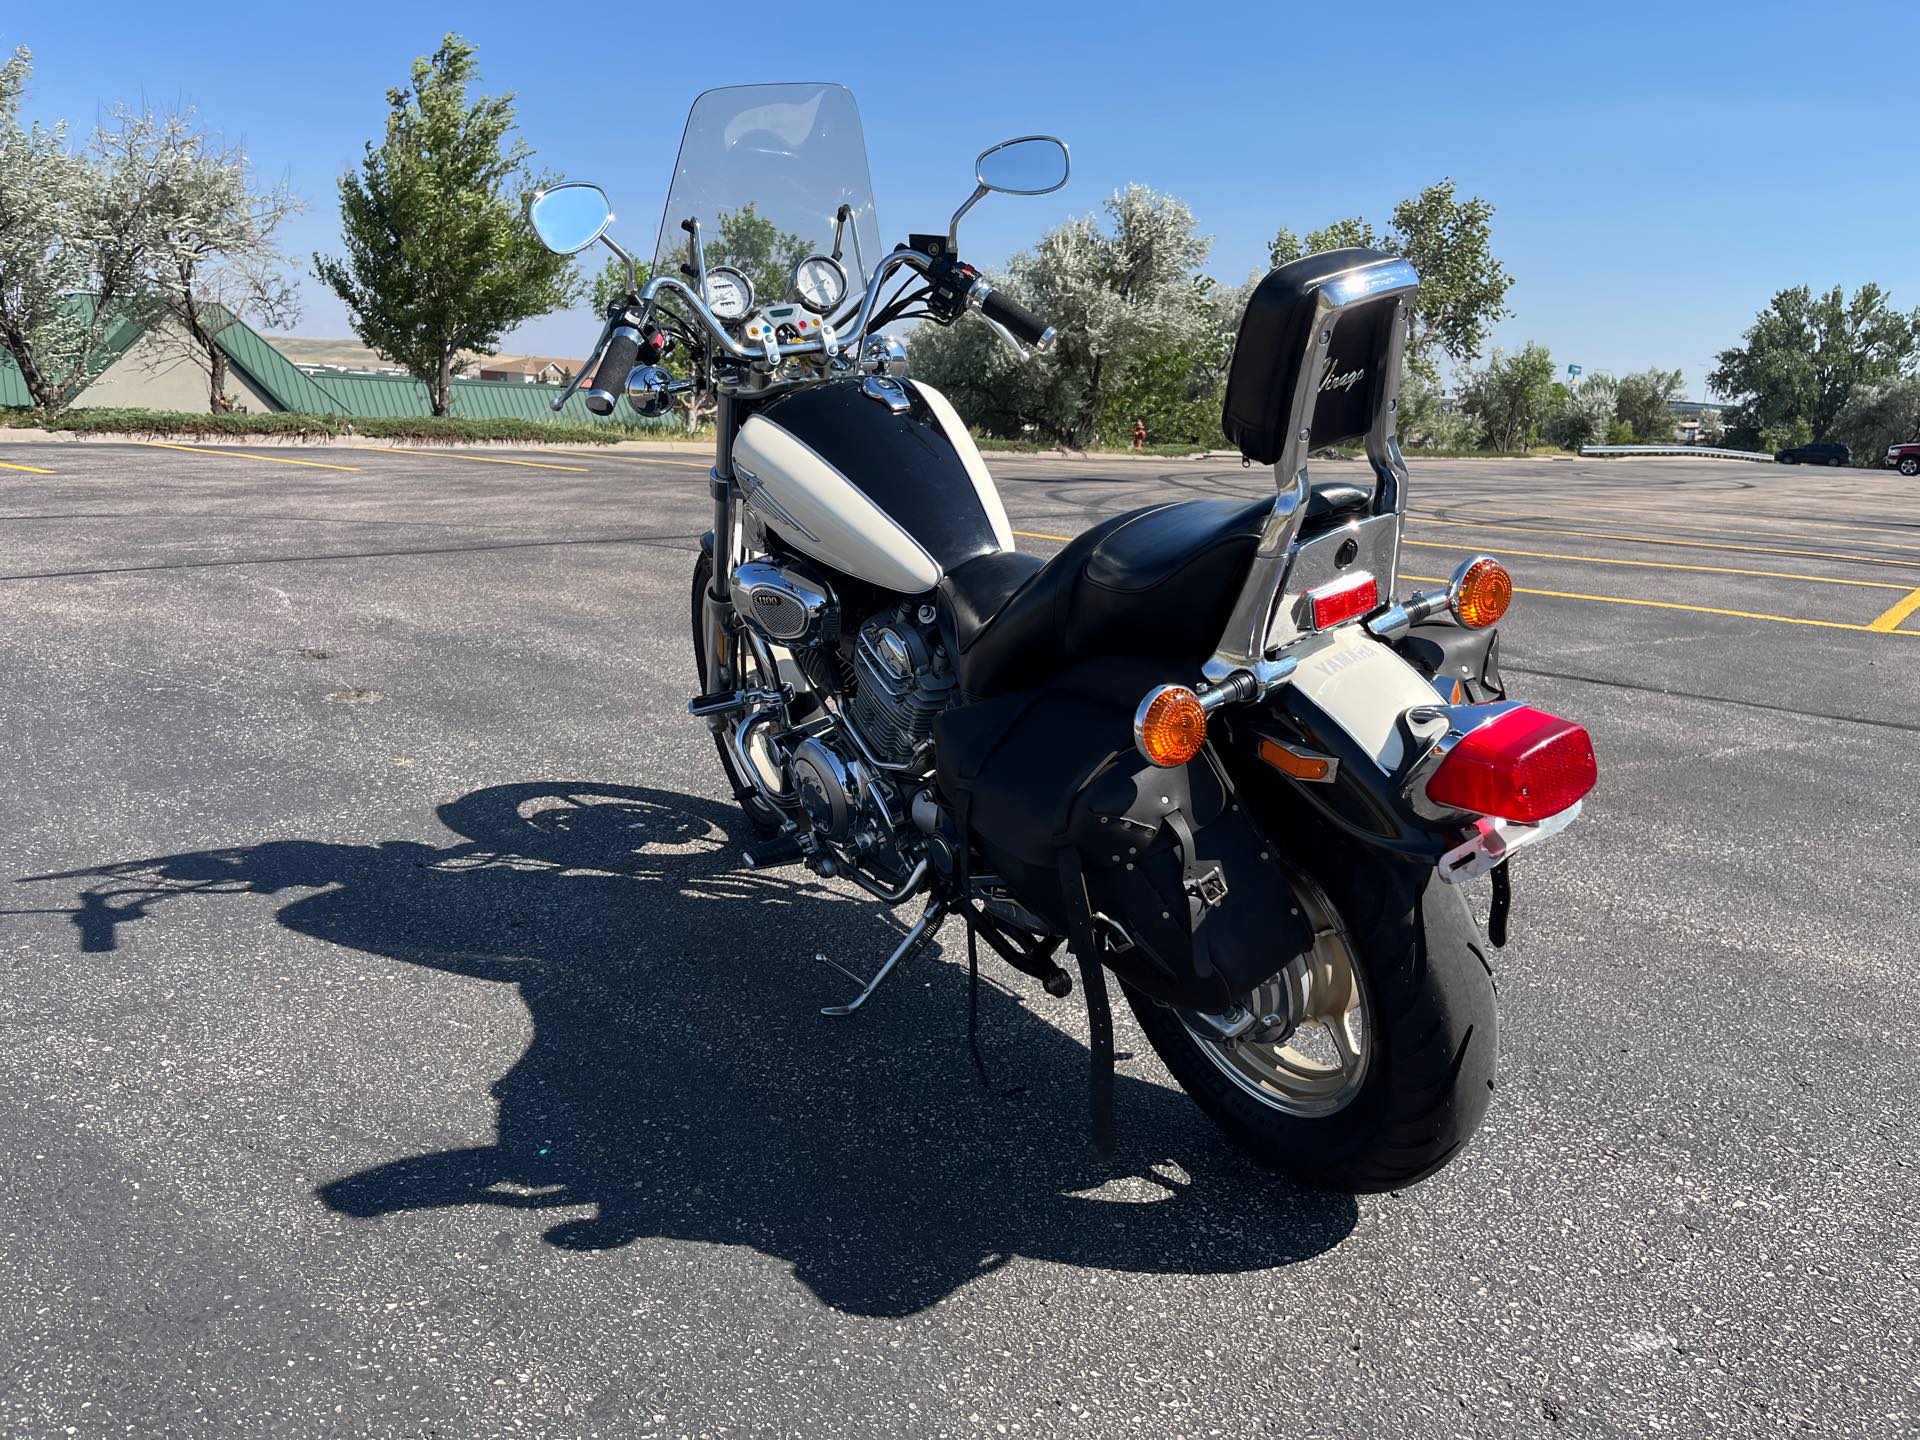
(924, 927)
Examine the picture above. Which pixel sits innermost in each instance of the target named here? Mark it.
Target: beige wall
(155, 375)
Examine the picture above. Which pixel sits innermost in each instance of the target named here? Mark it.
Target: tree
(1878, 416)
(73, 231)
(1586, 414)
(1645, 402)
(1123, 298)
(210, 259)
(1463, 289)
(440, 259)
(1511, 396)
(1713, 429)
(1805, 356)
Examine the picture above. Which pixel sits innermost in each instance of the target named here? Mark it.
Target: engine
(855, 780)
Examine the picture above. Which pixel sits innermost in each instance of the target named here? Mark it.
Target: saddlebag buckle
(1210, 889)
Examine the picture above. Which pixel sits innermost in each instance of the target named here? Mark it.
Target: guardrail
(1707, 450)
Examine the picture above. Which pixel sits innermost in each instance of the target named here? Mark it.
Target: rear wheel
(1383, 1064)
(765, 818)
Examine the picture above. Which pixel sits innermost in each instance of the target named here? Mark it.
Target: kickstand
(923, 928)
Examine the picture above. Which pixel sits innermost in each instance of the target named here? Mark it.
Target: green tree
(74, 232)
(1878, 416)
(1586, 413)
(1511, 397)
(1463, 289)
(751, 243)
(1805, 356)
(211, 258)
(1645, 402)
(440, 259)
(1132, 315)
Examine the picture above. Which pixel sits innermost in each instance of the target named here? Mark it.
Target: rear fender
(1345, 702)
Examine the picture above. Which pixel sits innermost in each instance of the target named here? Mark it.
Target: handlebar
(1004, 310)
(610, 381)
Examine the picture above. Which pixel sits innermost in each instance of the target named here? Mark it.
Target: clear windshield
(765, 169)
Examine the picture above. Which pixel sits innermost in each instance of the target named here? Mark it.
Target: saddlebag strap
(1093, 981)
(1093, 985)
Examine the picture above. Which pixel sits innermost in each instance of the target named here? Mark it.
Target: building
(150, 371)
(527, 369)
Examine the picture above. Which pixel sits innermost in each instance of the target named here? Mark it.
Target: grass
(413, 430)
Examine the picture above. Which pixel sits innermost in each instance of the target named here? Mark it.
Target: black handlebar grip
(623, 349)
(1024, 324)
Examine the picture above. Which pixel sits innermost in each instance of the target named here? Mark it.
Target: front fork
(721, 670)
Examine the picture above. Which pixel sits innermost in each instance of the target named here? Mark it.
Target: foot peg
(924, 928)
(780, 850)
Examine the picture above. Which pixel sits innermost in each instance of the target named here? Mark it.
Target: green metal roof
(397, 397)
(119, 340)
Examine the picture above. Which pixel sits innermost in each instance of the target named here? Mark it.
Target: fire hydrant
(1139, 434)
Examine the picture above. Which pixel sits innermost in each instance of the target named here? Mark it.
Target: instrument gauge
(729, 293)
(820, 283)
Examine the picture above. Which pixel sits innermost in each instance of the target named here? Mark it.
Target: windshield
(765, 169)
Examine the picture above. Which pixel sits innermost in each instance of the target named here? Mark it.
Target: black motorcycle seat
(1155, 582)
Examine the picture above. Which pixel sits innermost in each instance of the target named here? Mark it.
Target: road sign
(1573, 370)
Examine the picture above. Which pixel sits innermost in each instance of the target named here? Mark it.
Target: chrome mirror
(568, 218)
(1031, 165)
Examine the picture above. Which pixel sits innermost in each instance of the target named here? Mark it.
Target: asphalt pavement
(390, 1044)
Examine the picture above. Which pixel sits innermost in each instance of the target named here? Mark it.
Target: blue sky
(1659, 171)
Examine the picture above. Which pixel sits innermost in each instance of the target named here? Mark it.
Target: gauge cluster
(729, 294)
(820, 283)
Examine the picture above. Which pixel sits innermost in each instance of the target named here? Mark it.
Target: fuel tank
(874, 477)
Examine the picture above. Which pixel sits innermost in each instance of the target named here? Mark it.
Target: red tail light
(1342, 600)
(1524, 765)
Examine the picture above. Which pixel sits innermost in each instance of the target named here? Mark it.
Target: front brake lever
(1020, 352)
(593, 363)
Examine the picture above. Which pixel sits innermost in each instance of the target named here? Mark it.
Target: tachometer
(819, 282)
(729, 293)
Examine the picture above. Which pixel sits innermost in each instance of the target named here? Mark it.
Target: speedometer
(819, 283)
(729, 293)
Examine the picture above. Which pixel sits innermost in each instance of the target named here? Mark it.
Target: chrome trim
(903, 891)
(753, 494)
(888, 391)
(1246, 638)
(1460, 721)
(884, 355)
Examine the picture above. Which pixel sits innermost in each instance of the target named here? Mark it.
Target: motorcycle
(1203, 748)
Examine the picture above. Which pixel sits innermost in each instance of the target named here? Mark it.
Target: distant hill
(350, 354)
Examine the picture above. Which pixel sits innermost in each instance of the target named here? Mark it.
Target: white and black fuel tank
(873, 476)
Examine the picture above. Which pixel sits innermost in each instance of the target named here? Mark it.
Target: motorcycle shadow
(681, 1082)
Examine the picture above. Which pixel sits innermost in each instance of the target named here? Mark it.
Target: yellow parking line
(30, 469)
(1889, 620)
(1660, 540)
(1675, 521)
(642, 459)
(1696, 609)
(248, 455)
(1664, 565)
(1036, 535)
(488, 460)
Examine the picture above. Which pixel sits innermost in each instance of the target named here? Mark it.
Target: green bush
(421, 429)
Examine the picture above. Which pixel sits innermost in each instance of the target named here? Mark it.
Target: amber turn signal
(1170, 726)
(1480, 593)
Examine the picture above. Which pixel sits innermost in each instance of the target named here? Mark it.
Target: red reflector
(1525, 765)
(1344, 599)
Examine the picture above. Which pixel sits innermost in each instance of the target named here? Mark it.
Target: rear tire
(1432, 1037)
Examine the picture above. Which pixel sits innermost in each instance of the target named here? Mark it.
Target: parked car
(1904, 458)
(1820, 452)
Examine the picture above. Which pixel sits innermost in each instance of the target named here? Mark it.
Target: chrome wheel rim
(1308, 1052)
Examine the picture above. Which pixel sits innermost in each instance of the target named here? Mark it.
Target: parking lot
(389, 1044)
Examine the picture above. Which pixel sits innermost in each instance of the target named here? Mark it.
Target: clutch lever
(593, 363)
(1007, 338)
